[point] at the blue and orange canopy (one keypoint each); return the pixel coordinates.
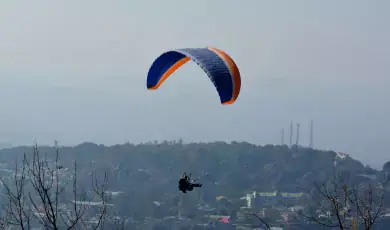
(218, 66)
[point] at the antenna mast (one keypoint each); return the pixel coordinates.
(282, 137)
(297, 141)
(311, 134)
(291, 133)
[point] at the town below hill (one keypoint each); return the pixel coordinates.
(245, 186)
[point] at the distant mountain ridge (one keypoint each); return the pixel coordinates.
(4, 145)
(230, 164)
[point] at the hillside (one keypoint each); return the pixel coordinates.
(148, 173)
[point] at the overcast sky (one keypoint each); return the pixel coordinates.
(76, 71)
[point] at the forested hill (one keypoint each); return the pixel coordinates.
(234, 168)
(144, 177)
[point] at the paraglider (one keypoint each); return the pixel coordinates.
(185, 183)
(218, 66)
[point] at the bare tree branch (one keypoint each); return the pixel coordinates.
(35, 195)
(338, 200)
(15, 213)
(368, 204)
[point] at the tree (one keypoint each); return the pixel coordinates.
(344, 206)
(35, 196)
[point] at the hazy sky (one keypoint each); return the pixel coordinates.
(75, 71)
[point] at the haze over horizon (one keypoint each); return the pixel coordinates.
(75, 71)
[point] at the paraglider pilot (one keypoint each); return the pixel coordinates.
(185, 183)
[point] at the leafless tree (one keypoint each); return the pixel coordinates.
(368, 205)
(34, 193)
(344, 207)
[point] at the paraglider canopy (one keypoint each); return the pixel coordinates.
(218, 66)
